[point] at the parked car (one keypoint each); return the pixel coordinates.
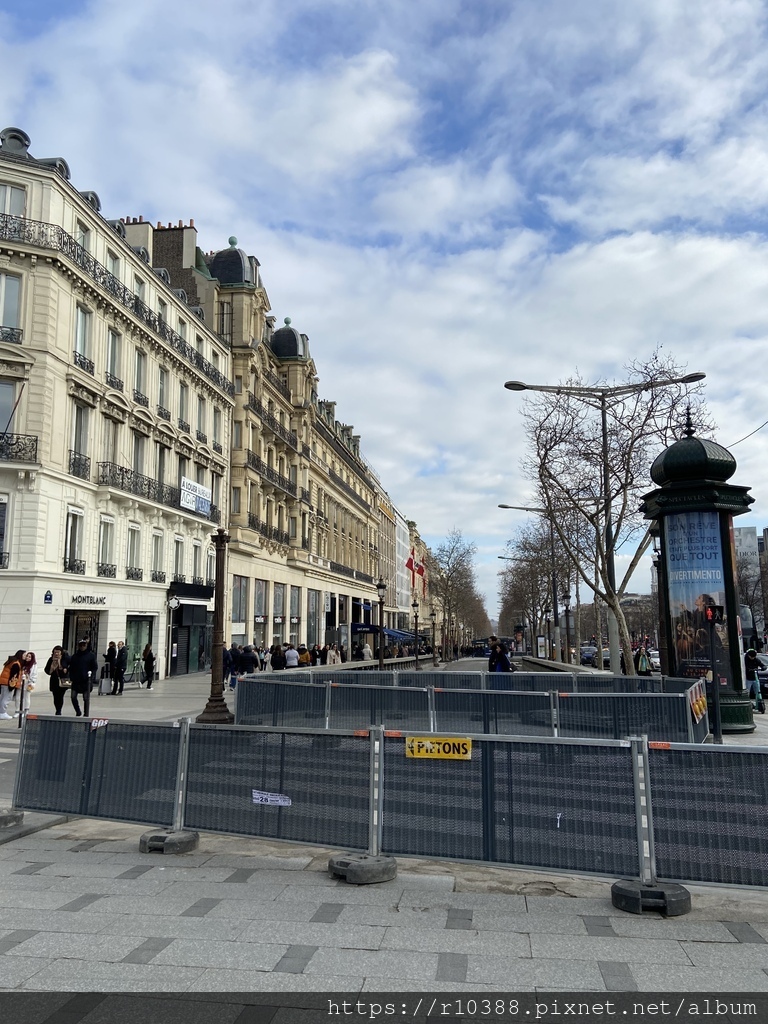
(655, 660)
(587, 654)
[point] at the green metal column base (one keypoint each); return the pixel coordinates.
(736, 711)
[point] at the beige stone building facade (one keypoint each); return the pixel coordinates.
(115, 401)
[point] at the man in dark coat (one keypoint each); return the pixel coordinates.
(83, 670)
(121, 664)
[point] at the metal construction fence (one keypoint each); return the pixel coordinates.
(628, 808)
(263, 700)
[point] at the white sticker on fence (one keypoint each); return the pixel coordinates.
(99, 723)
(273, 799)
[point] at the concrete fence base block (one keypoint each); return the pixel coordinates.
(160, 841)
(9, 817)
(667, 898)
(362, 868)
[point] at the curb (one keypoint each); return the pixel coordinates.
(38, 824)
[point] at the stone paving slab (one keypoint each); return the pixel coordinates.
(144, 926)
(384, 964)
(259, 862)
(251, 981)
(76, 946)
(238, 956)
(251, 890)
(97, 976)
(498, 921)
(587, 947)
(47, 899)
(661, 978)
(652, 926)
(562, 905)
(468, 900)
(506, 974)
(736, 954)
(388, 893)
(250, 910)
(17, 971)
(392, 917)
(471, 942)
(53, 920)
(310, 933)
(150, 905)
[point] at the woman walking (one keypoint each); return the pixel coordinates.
(10, 677)
(28, 680)
(148, 659)
(57, 667)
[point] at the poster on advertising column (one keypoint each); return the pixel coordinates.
(696, 580)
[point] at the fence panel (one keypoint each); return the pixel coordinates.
(587, 683)
(124, 771)
(359, 706)
(710, 813)
(493, 711)
(445, 680)
(568, 806)
(325, 776)
(371, 678)
(616, 715)
(262, 700)
(538, 682)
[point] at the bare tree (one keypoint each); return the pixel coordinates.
(749, 583)
(452, 577)
(566, 459)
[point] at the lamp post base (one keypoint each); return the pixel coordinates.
(215, 712)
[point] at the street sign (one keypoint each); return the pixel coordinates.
(453, 748)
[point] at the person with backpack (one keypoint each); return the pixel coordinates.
(10, 678)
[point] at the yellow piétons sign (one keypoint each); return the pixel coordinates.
(455, 748)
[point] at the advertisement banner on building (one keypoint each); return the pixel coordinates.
(696, 581)
(195, 496)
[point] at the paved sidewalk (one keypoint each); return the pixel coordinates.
(81, 910)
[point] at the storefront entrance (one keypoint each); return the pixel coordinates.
(79, 626)
(139, 630)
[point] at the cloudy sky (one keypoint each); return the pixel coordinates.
(443, 195)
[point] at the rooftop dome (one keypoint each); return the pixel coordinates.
(693, 458)
(231, 266)
(287, 343)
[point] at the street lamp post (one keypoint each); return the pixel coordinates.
(567, 606)
(381, 590)
(547, 611)
(415, 607)
(598, 397)
(216, 711)
(433, 619)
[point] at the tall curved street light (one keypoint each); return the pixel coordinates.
(598, 398)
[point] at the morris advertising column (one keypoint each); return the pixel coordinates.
(694, 509)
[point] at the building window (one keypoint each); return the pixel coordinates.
(140, 374)
(7, 402)
(162, 387)
(113, 353)
(10, 287)
(238, 385)
(216, 488)
(201, 416)
(12, 200)
(210, 571)
(139, 445)
(134, 546)
(82, 235)
(295, 601)
(292, 527)
(225, 320)
(139, 288)
(278, 602)
(235, 501)
(106, 540)
(183, 463)
(239, 598)
(109, 440)
(162, 311)
(82, 330)
(237, 434)
(260, 591)
(161, 462)
(80, 430)
(178, 556)
(73, 535)
(215, 359)
(216, 424)
(183, 401)
(200, 474)
(197, 560)
(199, 343)
(157, 551)
(182, 332)
(113, 264)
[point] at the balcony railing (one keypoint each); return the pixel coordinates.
(163, 413)
(305, 543)
(4, 559)
(132, 573)
(18, 448)
(12, 334)
(267, 531)
(158, 576)
(197, 581)
(277, 384)
(113, 381)
(107, 570)
(183, 425)
(216, 447)
(124, 479)
(140, 398)
(305, 495)
(79, 465)
(210, 582)
(83, 362)
(271, 474)
(179, 577)
(201, 437)
(76, 565)
(274, 424)
(348, 490)
(42, 235)
(354, 574)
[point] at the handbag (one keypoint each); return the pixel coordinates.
(64, 681)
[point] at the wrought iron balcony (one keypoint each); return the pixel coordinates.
(270, 474)
(18, 448)
(140, 398)
(107, 570)
(348, 490)
(216, 447)
(124, 479)
(132, 573)
(277, 384)
(267, 531)
(201, 437)
(342, 570)
(79, 465)
(83, 362)
(210, 582)
(113, 381)
(179, 577)
(198, 581)
(12, 334)
(76, 565)
(158, 576)
(270, 421)
(163, 413)
(42, 235)
(4, 559)
(183, 425)
(306, 451)
(305, 543)
(305, 495)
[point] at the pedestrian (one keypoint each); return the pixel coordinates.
(333, 657)
(234, 664)
(291, 657)
(324, 654)
(751, 666)
(499, 659)
(314, 655)
(110, 657)
(367, 652)
(342, 653)
(277, 661)
(267, 661)
(249, 662)
(148, 659)
(10, 677)
(121, 664)
(305, 659)
(57, 667)
(28, 680)
(83, 669)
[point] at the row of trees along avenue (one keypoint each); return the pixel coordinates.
(565, 460)
(451, 572)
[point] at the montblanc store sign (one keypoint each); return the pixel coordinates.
(87, 599)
